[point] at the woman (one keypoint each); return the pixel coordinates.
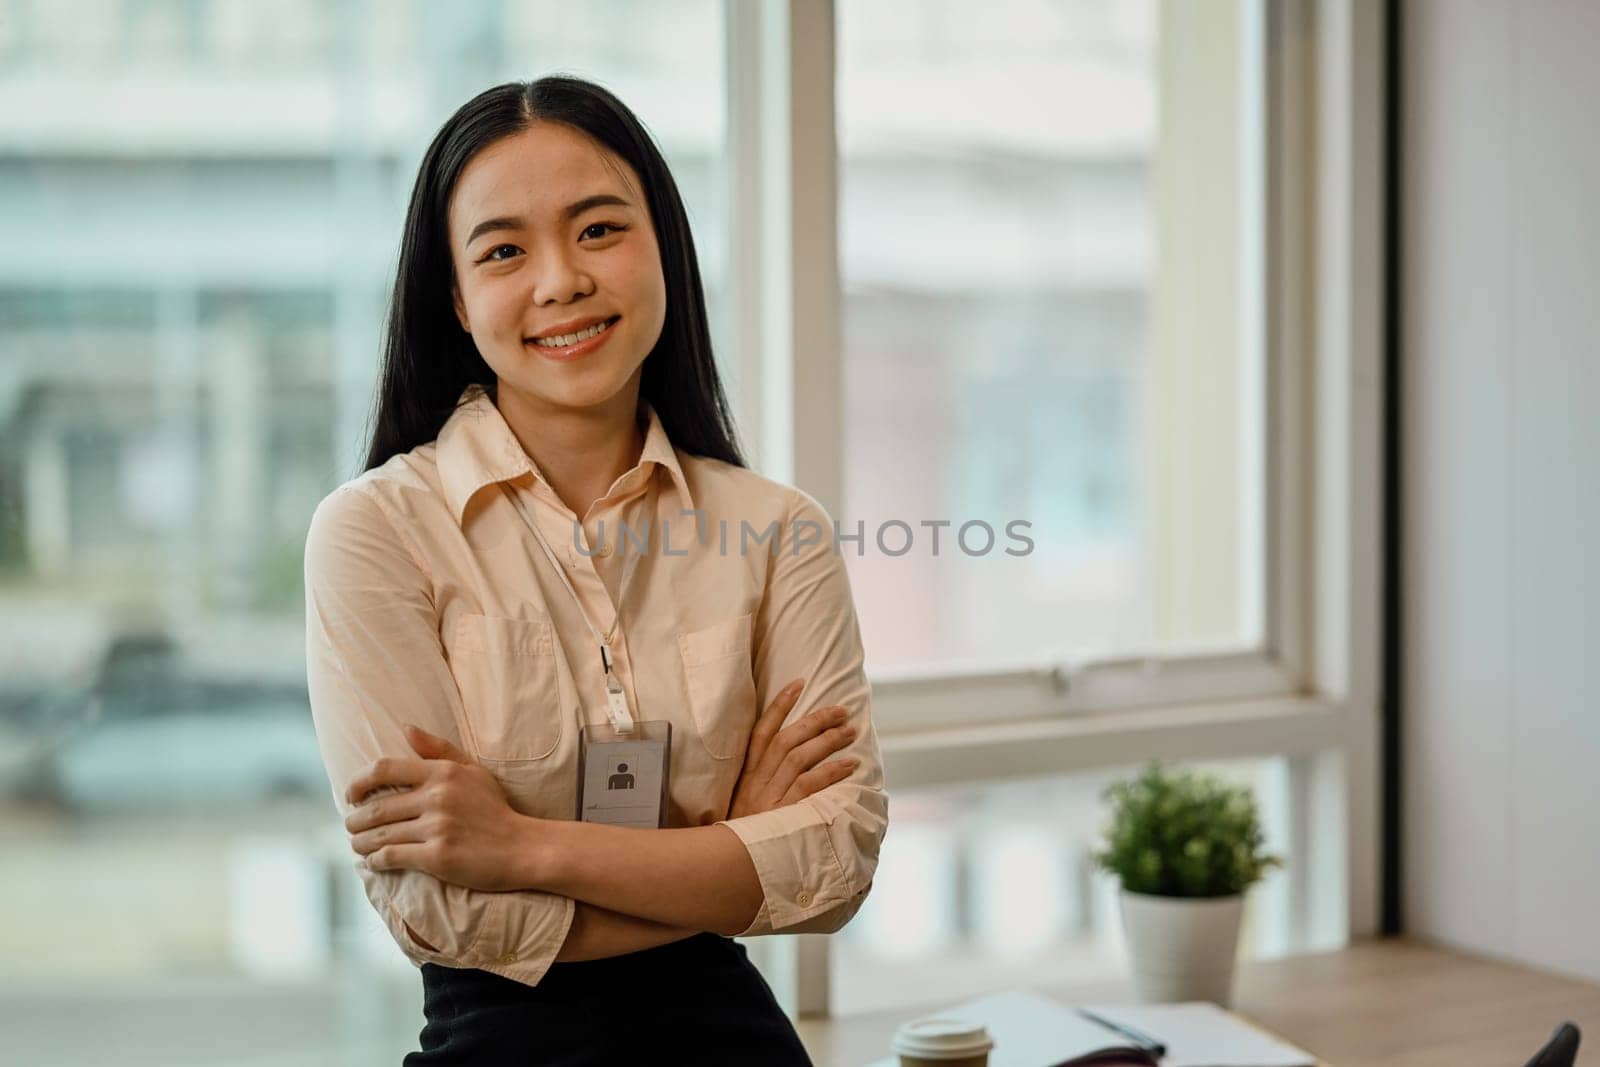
(556, 537)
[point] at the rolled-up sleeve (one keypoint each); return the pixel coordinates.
(816, 858)
(374, 662)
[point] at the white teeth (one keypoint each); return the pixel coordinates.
(563, 340)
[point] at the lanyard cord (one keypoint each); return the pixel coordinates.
(603, 640)
(616, 699)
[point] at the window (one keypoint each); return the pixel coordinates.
(1042, 224)
(1104, 266)
(1109, 267)
(201, 202)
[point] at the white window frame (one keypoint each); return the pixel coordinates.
(1311, 694)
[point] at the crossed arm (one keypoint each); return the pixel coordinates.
(452, 821)
(721, 891)
(599, 933)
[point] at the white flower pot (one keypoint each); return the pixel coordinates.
(1182, 948)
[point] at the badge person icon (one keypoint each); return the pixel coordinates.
(622, 779)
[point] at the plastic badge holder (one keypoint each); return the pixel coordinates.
(623, 777)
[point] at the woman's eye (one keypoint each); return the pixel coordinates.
(594, 231)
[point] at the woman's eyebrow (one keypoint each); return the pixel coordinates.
(568, 213)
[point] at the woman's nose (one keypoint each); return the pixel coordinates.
(557, 279)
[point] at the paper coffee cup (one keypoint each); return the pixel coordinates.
(942, 1041)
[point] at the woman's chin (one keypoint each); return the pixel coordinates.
(569, 389)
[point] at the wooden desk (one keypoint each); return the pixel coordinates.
(1375, 1004)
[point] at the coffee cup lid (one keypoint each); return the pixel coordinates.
(942, 1036)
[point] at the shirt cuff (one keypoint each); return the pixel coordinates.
(517, 936)
(530, 934)
(801, 876)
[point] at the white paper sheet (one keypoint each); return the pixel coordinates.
(1032, 1030)
(1203, 1035)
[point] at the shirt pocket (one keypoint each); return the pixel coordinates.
(510, 686)
(721, 685)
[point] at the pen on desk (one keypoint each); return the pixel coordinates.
(1138, 1037)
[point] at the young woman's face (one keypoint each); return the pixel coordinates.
(550, 237)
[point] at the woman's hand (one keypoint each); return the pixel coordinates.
(783, 766)
(451, 818)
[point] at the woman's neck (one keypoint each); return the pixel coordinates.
(581, 452)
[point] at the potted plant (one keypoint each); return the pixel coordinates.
(1185, 847)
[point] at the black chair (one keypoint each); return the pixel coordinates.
(1560, 1051)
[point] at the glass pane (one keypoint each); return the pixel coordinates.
(201, 203)
(1044, 223)
(990, 886)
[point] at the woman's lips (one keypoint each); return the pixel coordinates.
(578, 351)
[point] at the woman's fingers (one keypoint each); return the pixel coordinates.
(407, 805)
(819, 778)
(411, 857)
(767, 725)
(411, 831)
(810, 753)
(808, 726)
(432, 746)
(387, 771)
(781, 762)
(803, 757)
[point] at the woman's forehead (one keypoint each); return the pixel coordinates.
(537, 173)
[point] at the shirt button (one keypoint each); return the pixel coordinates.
(507, 958)
(603, 551)
(802, 898)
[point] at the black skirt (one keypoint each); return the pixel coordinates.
(699, 1000)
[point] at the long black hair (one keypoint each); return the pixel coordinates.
(428, 360)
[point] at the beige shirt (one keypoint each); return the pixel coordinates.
(428, 601)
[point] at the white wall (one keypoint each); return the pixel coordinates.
(1501, 389)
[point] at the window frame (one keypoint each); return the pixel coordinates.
(1310, 693)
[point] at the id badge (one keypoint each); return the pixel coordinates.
(622, 778)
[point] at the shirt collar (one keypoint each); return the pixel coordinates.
(658, 449)
(476, 449)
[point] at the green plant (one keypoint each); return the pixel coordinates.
(1183, 834)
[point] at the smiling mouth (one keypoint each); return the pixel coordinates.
(567, 340)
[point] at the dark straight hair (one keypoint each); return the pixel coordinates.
(428, 360)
